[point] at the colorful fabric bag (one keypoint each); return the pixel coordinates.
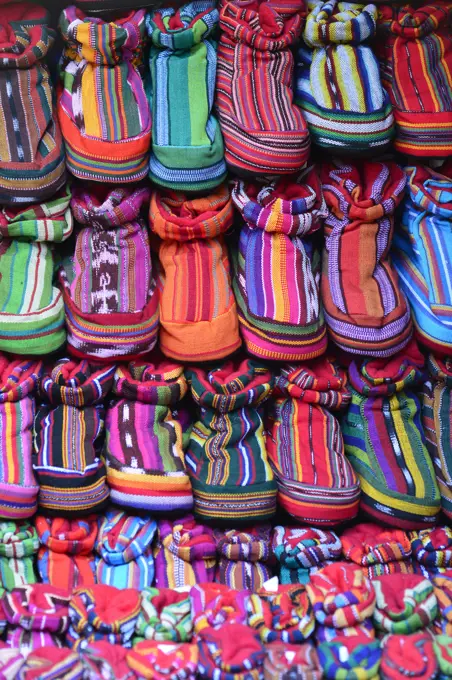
(102, 613)
(443, 650)
(165, 616)
(244, 557)
(32, 309)
(102, 660)
(415, 53)
(316, 483)
(264, 132)
(282, 616)
(365, 310)
(68, 437)
(432, 550)
(214, 604)
(164, 660)
(385, 443)
(103, 110)
(350, 659)
(187, 144)
(338, 82)
(66, 555)
(442, 588)
(124, 546)
(421, 252)
(198, 314)
(11, 661)
(232, 651)
(52, 664)
(226, 457)
(18, 487)
(143, 447)
(32, 165)
(377, 550)
(108, 285)
(185, 553)
(301, 552)
(408, 656)
(277, 267)
(437, 423)
(19, 544)
(284, 661)
(405, 603)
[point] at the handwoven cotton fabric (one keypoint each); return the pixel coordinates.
(232, 651)
(338, 82)
(68, 438)
(103, 109)
(282, 616)
(187, 144)
(350, 659)
(442, 645)
(214, 604)
(432, 550)
(18, 389)
(244, 557)
(109, 289)
(164, 660)
(31, 308)
(185, 553)
(124, 546)
(437, 424)
(11, 661)
(66, 555)
(32, 164)
(365, 310)
(415, 52)
(408, 655)
(264, 132)
(284, 661)
(301, 552)
(198, 313)
(19, 544)
(405, 603)
(316, 483)
(165, 616)
(442, 588)
(277, 267)
(421, 251)
(385, 443)
(227, 459)
(377, 550)
(49, 663)
(102, 613)
(143, 447)
(103, 660)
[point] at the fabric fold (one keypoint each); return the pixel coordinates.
(165, 616)
(245, 557)
(302, 552)
(282, 616)
(19, 544)
(377, 550)
(405, 603)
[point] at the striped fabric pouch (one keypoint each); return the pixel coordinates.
(385, 442)
(422, 253)
(432, 551)
(277, 268)
(405, 603)
(125, 552)
(437, 422)
(365, 310)
(152, 660)
(198, 314)
(103, 110)
(187, 144)
(215, 604)
(415, 53)
(68, 437)
(227, 459)
(143, 447)
(316, 483)
(165, 616)
(338, 81)
(19, 544)
(18, 387)
(109, 290)
(31, 306)
(378, 550)
(264, 132)
(301, 552)
(32, 166)
(245, 558)
(66, 555)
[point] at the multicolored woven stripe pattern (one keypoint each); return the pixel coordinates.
(187, 144)
(338, 83)
(162, 660)
(244, 557)
(19, 544)
(432, 550)
(421, 252)
(68, 438)
(263, 131)
(226, 457)
(365, 310)
(103, 110)
(301, 552)
(277, 268)
(143, 447)
(198, 314)
(347, 658)
(377, 550)
(416, 68)
(285, 616)
(405, 603)
(233, 651)
(316, 483)
(285, 660)
(165, 616)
